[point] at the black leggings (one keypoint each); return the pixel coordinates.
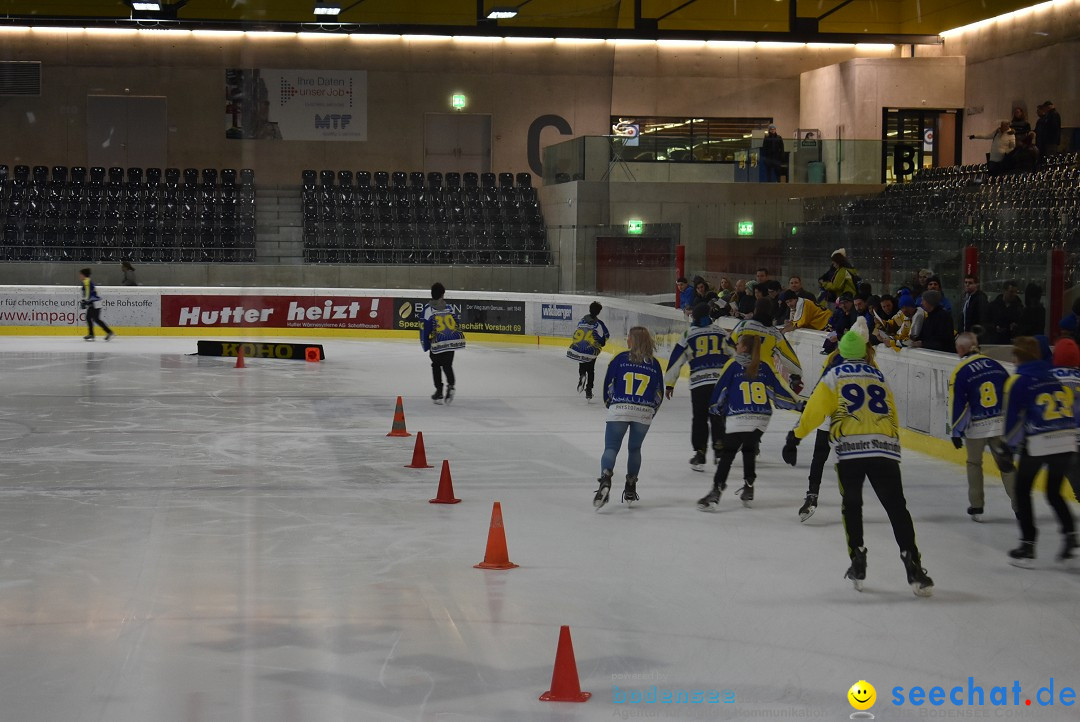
(1056, 465)
(730, 445)
(884, 475)
(93, 315)
(588, 370)
(703, 425)
(442, 363)
(817, 464)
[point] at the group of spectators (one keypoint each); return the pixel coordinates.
(1016, 148)
(917, 315)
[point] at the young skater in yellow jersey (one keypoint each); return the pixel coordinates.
(775, 349)
(865, 433)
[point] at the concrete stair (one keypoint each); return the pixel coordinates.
(278, 226)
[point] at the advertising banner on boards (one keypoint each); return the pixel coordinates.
(481, 316)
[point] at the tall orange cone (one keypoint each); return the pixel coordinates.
(398, 428)
(565, 686)
(419, 456)
(496, 556)
(446, 489)
(240, 356)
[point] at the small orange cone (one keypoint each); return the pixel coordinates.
(419, 456)
(446, 488)
(565, 686)
(240, 356)
(311, 353)
(496, 556)
(399, 421)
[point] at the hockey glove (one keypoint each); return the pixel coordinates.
(958, 442)
(790, 452)
(795, 382)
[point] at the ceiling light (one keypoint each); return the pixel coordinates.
(323, 8)
(146, 6)
(501, 13)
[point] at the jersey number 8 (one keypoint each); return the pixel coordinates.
(988, 395)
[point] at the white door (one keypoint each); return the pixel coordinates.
(126, 131)
(457, 142)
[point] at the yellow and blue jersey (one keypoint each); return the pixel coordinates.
(746, 403)
(976, 398)
(89, 291)
(773, 343)
(1039, 411)
(441, 331)
(1068, 376)
(854, 395)
(589, 338)
(633, 390)
(703, 348)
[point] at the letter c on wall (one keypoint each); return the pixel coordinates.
(556, 121)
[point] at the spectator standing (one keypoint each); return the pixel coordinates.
(937, 332)
(918, 285)
(976, 419)
(1026, 156)
(842, 277)
(1002, 143)
(761, 275)
(796, 287)
(1048, 129)
(1019, 122)
(686, 295)
(128, 272)
(973, 307)
(1042, 430)
(772, 155)
(1033, 317)
(843, 319)
(1004, 315)
(934, 284)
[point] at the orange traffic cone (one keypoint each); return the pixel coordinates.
(446, 489)
(311, 353)
(565, 686)
(419, 456)
(496, 556)
(399, 421)
(240, 356)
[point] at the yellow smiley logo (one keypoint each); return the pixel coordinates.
(862, 695)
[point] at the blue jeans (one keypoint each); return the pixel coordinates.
(613, 438)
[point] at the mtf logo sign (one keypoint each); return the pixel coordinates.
(335, 121)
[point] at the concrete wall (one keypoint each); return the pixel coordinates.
(1025, 59)
(522, 279)
(515, 81)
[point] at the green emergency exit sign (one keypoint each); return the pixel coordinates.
(746, 228)
(634, 227)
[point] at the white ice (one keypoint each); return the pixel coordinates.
(183, 540)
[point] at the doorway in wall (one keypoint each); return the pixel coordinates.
(125, 131)
(457, 142)
(917, 138)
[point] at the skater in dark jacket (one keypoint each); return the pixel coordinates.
(589, 339)
(91, 303)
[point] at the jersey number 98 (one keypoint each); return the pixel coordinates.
(856, 396)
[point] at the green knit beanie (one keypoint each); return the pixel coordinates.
(852, 346)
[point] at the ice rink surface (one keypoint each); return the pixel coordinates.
(183, 540)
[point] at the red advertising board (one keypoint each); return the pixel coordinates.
(357, 312)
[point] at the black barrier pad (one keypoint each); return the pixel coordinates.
(260, 349)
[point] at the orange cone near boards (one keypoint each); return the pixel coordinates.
(240, 356)
(446, 491)
(565, 686)
(496, 557)
(398, 428)
(419, 456)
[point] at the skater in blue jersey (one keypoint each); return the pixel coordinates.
(633, 391)
(440, 336)
(589, 339)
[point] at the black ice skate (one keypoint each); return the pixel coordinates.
(604, 491)
(437, 397)
(857, 571)
(1023, 556)
(697, 461)
(109, 336)
(710, 501)
(1068, 551)
(629, 494)
(921, 584)
(975, 512)
(746, 493)
(88, 338)
(588, 396)
(449, 394)
(808, 508)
